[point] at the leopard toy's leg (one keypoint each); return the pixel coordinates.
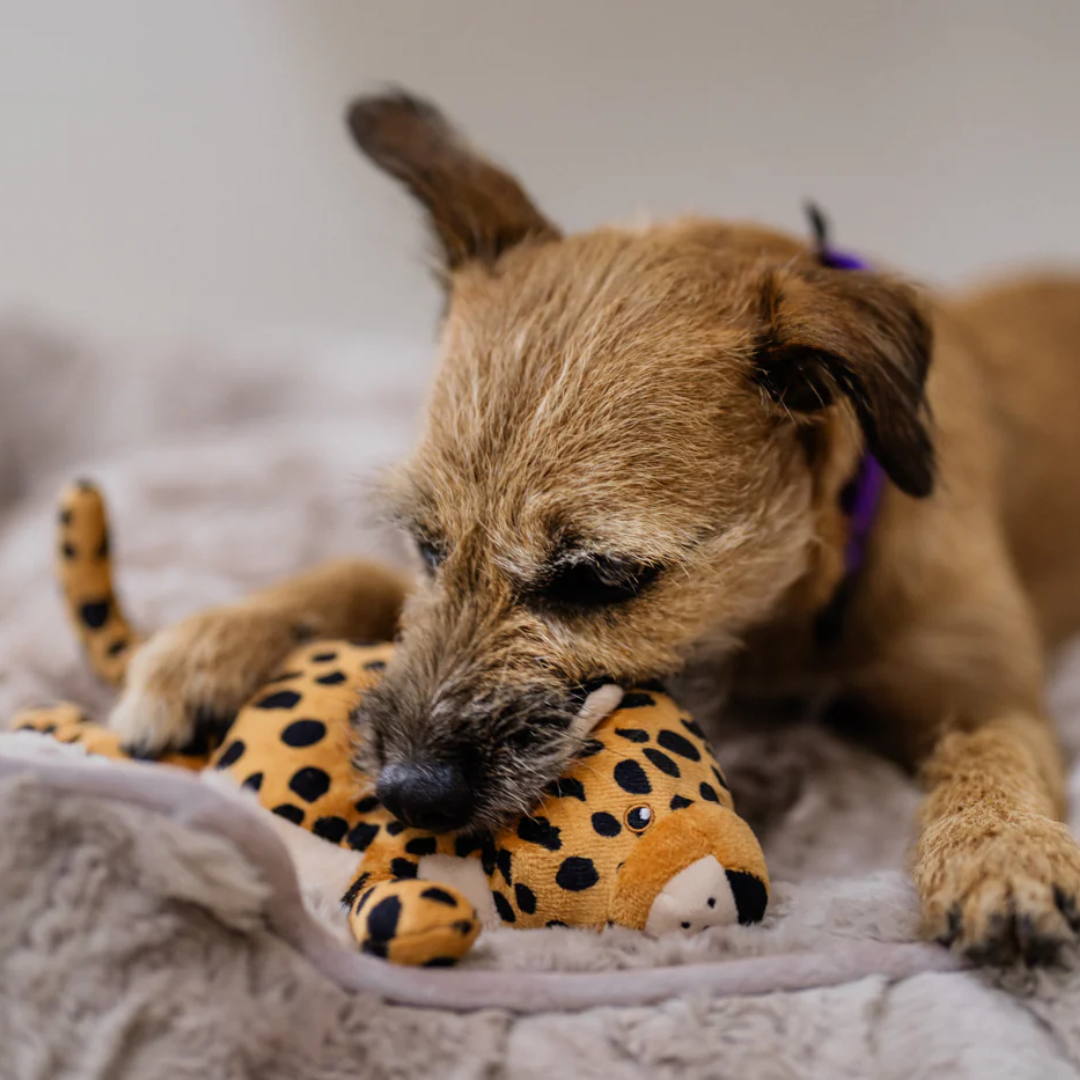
(84, 570)
(67, 723)
(412, 922)
(64, 721)
(401, 906)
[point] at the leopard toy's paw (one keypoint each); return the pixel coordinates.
(66, 723)
(413, 922)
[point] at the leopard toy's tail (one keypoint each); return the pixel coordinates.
(84, 570)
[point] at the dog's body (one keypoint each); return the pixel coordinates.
(633, 462)
(1002, 388)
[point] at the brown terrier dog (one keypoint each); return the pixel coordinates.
(634, 461)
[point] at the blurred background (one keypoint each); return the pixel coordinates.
(188, 240)
(180, 167)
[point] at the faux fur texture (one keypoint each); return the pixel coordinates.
(133, 945)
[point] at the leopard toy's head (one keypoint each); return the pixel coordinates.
(640, 832)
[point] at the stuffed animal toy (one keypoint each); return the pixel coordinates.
(640, 830)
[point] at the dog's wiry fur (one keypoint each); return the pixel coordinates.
(664, 419)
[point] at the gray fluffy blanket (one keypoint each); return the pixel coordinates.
(154, 928)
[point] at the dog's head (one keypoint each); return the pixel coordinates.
(634, 444)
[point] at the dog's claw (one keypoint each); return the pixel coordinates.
(952, 929)
(1066, 904)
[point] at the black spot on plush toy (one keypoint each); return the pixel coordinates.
(639, 832)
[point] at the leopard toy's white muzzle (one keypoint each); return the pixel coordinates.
(694, 899)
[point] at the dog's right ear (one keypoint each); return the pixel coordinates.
(861, 336)
(477, 211)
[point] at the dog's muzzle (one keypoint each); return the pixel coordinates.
(440, 795)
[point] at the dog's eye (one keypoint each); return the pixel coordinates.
(596, 582)
(431, 552)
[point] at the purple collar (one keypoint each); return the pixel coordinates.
(861, 496)
(837, 260)
(859, 501)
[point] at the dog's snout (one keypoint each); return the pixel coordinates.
(426, 795)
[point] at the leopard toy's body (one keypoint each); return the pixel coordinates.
(640, 831)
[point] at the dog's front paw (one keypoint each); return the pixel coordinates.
(185, 685)
(1000, 888)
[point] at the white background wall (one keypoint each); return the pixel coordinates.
(170, 167)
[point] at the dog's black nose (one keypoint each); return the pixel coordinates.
(426, 795)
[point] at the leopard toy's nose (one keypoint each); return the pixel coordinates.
(426, 795)
(706, 894)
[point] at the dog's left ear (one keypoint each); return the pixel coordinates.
(477, 210)
(860, 335)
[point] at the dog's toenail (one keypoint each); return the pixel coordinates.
(1066, 904)
(954, 920)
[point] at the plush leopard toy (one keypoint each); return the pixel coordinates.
(640, 831)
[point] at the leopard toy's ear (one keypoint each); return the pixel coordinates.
(599, 699)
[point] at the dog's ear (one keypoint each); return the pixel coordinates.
(857, 334)
(477, 211)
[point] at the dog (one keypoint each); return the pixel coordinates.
(635, 463)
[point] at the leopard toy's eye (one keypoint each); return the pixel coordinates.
(638, 818)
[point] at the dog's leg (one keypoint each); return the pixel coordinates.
(997, 871)
(199, 672)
